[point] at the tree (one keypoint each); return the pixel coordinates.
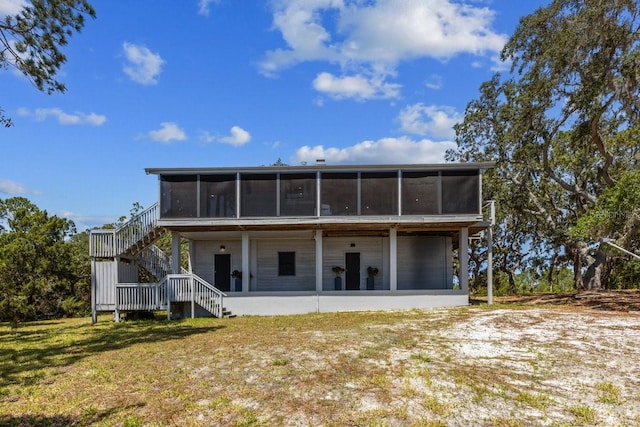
(617, 216)
(37, 270)
(31, 41)
(559, 129)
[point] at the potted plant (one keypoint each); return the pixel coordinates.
(237, 276)
(337, 283)
(372, 272)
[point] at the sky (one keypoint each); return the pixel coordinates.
(224, 83)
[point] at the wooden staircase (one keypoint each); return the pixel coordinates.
(133, 241)
(129, 239)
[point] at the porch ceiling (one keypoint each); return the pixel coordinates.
(199, 228)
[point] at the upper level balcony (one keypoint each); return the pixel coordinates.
(190, 196)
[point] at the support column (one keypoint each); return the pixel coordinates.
(490, 265)
(319, 260)
(463, 259)
(490, 252)
(246, 273)
(175, 252)
(393, 259)
(94, 311)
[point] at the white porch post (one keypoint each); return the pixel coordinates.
(393, 259)
(490, 253)
(490, 265)
(463, 259)
(318, 237)
(175, 252)
(246, 274)
(94, 311)
(193, 289)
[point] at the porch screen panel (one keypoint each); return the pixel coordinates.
(379, 193)
(297, 194)
(218, 196)
(420, 193)
(258, 195)
(460, 192)
(179, 196)
(339, 194)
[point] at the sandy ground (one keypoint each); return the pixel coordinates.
(543, 366)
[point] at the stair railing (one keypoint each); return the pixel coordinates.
(209, 297)
(139, 296)
(114, 242)
(191, 287)
(155, 261)
(137, 228)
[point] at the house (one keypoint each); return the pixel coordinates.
(295, 239)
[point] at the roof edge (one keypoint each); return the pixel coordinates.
(322, 167)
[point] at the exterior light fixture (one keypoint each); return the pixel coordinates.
(223, 248)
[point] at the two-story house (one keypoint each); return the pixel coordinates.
(296, 239)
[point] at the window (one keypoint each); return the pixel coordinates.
(339, 194)
(178, 197)
(258, 195)
(286, 263)
(460, 192)
(379, 193)
(297, 194)
(218, 196)
(420, 193)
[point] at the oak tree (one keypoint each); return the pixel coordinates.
(558, 126)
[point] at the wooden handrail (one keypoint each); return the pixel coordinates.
(173, 288)
(113, 242)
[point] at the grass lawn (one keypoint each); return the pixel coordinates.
(498, 366)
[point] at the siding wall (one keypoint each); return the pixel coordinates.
(371, 251)
(105, 276)
(267, 278)
(204, 250)
(425, 263)
(127, 272)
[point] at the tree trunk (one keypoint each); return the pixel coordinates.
(577, 269)
(593, 275)
(552, 270)
(512, 282)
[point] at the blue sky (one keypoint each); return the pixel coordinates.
(208, 83)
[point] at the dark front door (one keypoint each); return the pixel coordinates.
(222, 272)
(352, 262)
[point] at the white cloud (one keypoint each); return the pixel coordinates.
(144, 66)
(11, 7)
(435, 82)
(433, 120)
(12, 188)
(401, 150)
(391, 30)
(206, 137)
(366, 37)
(168, 133)
(237, 138)
(77, 118)
(357, 87)
(204, 6)
(302, 30)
